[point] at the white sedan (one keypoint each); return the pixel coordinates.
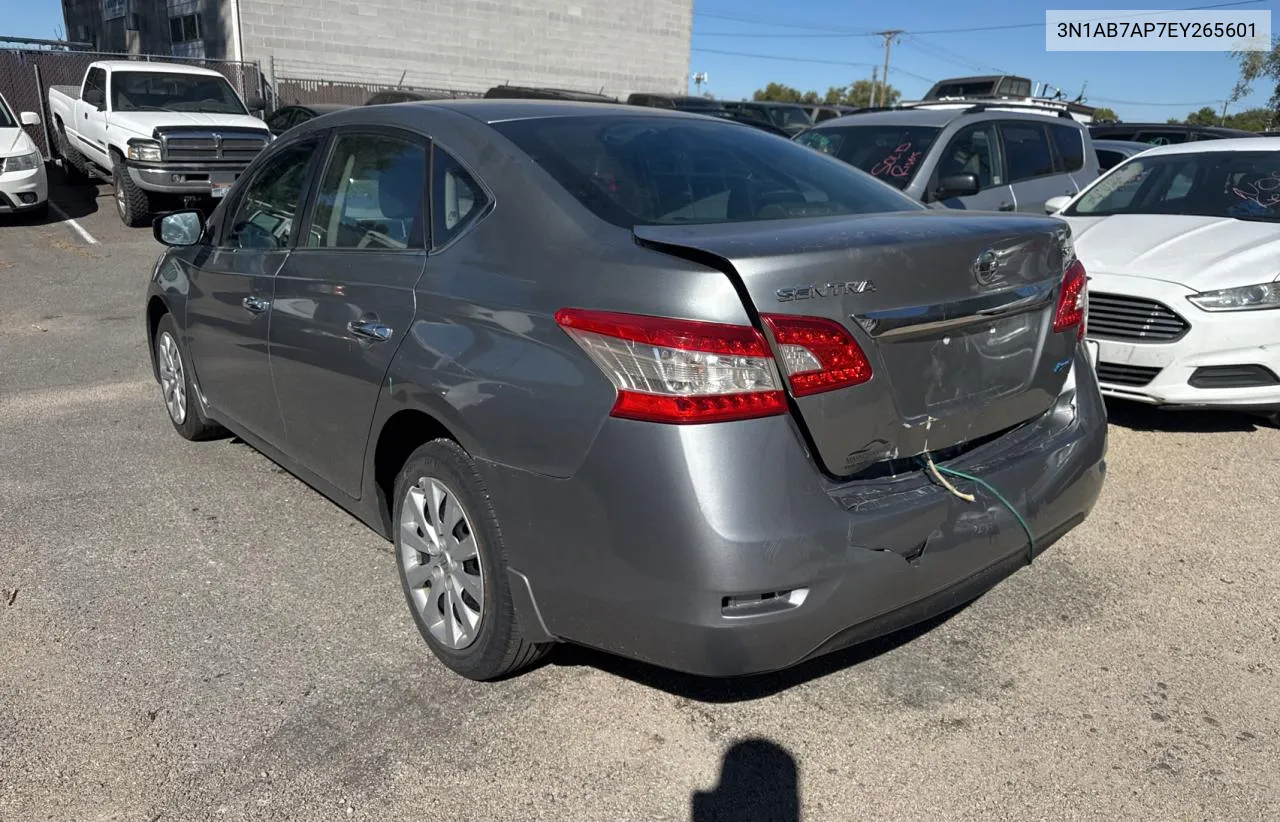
(1182, 247)
(24, 187)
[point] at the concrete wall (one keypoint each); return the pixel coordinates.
(474, 44)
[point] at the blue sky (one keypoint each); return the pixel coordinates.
(1138, 85)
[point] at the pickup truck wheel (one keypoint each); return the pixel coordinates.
(73, 165)
(132, 203)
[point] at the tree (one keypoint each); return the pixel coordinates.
(857, 93)
(1253, 119)
(1257, 65)
(779, 93)
(1103, 113)
(1204, 117)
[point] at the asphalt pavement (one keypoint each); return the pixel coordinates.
(187, 632)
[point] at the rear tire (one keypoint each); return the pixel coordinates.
(176, 387)
(133, 204)
(73, 164)
(453, 565)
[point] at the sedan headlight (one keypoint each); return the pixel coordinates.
(145, 151)
(22, 162)
(1244, 298)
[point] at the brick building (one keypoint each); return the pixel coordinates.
(463, 44)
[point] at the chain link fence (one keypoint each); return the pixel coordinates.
(291, 91)
(26, 76)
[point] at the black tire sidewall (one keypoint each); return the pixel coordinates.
(487, 656)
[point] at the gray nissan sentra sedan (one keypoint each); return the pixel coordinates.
(646, 381)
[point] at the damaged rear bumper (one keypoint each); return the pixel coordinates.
(720, 550)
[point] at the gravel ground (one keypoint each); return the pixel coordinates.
(187, 632)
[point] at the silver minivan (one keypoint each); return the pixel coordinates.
(978, 157)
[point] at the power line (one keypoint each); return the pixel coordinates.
(1145, 103)
(929, 80)
(940, 53)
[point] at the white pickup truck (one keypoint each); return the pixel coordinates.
(157, 130)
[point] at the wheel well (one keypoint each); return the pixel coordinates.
(156, 309)
(401, 435)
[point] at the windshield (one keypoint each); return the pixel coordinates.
(888, 153)
(160, 91)
(1244, 185)
(656, 170)
(6, 116)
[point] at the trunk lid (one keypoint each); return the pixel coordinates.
(954, 312)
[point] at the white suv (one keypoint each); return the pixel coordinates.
(24, 187)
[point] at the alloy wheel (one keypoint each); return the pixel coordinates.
(118, 185)
(173, 377)
(441, 563)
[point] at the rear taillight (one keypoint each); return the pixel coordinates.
(679, 371)
(1073, 302)
(817, 354)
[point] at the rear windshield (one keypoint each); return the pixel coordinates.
(658, 171)
(1244, 185)
(888, 153)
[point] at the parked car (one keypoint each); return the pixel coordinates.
(158, 131)
(1112, 153)
(283, 119)
(506, 92)
(790, 117)
(1181, 244)
(407, 95)
(1163, 134)
(638, 379)
(979, 157)
(680, 102)
(24, 187)
(820, 114)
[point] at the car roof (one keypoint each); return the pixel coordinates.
(1122, 145)
(1232, 144)
(501, 110)
(764, 103)
(1166, 127)
(937, 117)
(145, 65)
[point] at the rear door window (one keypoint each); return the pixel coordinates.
(1109, 159)
(457, 199)
(1026, 150)
(658, 171)
(1069, 143)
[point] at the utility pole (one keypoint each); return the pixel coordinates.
(874, 86)
(890, 36)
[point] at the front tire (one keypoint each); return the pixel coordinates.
(133, 204)
(176, 387)
(453, 567)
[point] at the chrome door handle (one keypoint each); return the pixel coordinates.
(1006, 206)
(255, 305)
(370, 330)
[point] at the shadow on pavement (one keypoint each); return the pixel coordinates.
(77, 197)
(746, 688)
(758, 783)
(1139, 417)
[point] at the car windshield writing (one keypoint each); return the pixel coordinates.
(653, 171)
(1243, 185)
(889, 153)
(156, 91)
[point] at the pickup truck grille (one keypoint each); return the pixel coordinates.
(212, 146)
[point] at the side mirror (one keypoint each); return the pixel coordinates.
(957, 185)
(179, 228)
(256, 103)
(1055, 204)
(29, 118)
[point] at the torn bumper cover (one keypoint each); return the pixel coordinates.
(721, 550)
